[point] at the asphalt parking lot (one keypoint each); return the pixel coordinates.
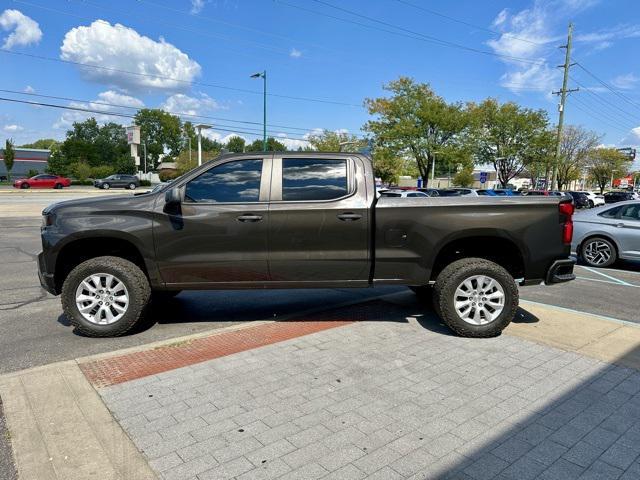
(34, 332)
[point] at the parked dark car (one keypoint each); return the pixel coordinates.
(614, 197)
(580, 200)
(117, 181)
(299, 220)
(43, 180)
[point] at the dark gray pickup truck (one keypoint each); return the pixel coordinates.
(299, 220)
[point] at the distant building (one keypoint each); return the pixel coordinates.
(26, 159)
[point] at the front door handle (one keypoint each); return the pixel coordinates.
(248, 217)
(620, 225)
(349, 217)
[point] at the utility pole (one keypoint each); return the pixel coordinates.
(263, 75)
(563, 98)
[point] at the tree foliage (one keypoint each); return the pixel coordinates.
(606, 163)
(576, 144)
(273, 145)
(386, 166)
(415, 122)
(9, 156)
(161, 131)
(43, 144)
(236, 144)
(507, 136)
(328, 141)
(464, 177)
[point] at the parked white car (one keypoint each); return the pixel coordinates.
(466, 192)
(402, 193)
(595, 199)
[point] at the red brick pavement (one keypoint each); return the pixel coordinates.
(130, 366)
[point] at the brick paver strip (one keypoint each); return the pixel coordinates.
(131, 366)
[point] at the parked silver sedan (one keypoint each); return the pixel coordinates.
(603, 235)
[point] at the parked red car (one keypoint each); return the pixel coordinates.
(42, 181)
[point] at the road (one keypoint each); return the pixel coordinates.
(34, 332)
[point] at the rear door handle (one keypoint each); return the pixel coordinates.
(349, 217)
(248, 217)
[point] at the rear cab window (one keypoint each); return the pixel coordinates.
(309, 179)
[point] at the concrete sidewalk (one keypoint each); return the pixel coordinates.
(374, 391)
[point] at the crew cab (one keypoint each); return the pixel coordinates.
(299, 220)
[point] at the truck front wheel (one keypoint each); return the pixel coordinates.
(475, 297)
(105, 296)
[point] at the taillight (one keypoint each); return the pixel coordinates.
(566, 209)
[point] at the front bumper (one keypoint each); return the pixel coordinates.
(47, 280)
(560, 271)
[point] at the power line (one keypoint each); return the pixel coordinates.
(604, 102)
(178, 80)
(182, 114)
(125, 115)
(587, 112)
(600, 115)
(468, 24)
(403, 32)
(608, 87)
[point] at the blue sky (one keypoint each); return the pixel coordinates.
(182, 48)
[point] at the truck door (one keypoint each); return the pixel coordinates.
(319, 224)
(219, 234)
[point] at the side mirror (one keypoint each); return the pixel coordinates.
(172, 197)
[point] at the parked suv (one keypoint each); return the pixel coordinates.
(117, 181)
(614, 197)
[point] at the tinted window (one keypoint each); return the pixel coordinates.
(310, 179)
(630, 212)
(386, 194)
(417, 194)
(611, 213)
(230, 182)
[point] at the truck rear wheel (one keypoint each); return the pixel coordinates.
(475, 297)
(105, 296)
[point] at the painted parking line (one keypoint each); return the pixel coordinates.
(607, 281)
(613, 279)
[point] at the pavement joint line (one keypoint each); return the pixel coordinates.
(608, 282)
(579, 312)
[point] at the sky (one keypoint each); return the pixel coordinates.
(322, 58)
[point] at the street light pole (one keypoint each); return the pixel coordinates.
(263, 75)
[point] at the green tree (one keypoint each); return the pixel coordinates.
(415, 122)
(575, 146)
(43, 143)
(464, 177)
(506, 136)
(272, 146)
(162, 133)
(386, 165)
(235, 144)
(9, 157)
(328, 141)
(606, 163)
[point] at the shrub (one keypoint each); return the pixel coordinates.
(168, 175)
(81, 182)
(101, 171)
(145, 183)
(81, 171)
(32, 173)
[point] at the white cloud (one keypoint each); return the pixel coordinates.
(26, 31)
(116, 47)
(625, 82)
(101, 112)
(29, 89)
(13, 128)
(295, 53)
(609, 34)
(529, 34)
(196, 6)
(181, 103)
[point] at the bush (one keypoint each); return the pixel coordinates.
(168, 175)
(102, 171)
(32, 173)
(81, 182)
(81, 171)
(145, 183)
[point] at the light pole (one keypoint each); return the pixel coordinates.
(200, 127)
(263, 75)
(184, 130)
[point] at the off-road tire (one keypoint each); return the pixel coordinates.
(129, 273)
(453, 275)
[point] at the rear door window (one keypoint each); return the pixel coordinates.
(611, 213)
(308, 179)
(630, 212)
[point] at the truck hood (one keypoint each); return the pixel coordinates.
(103, 203)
